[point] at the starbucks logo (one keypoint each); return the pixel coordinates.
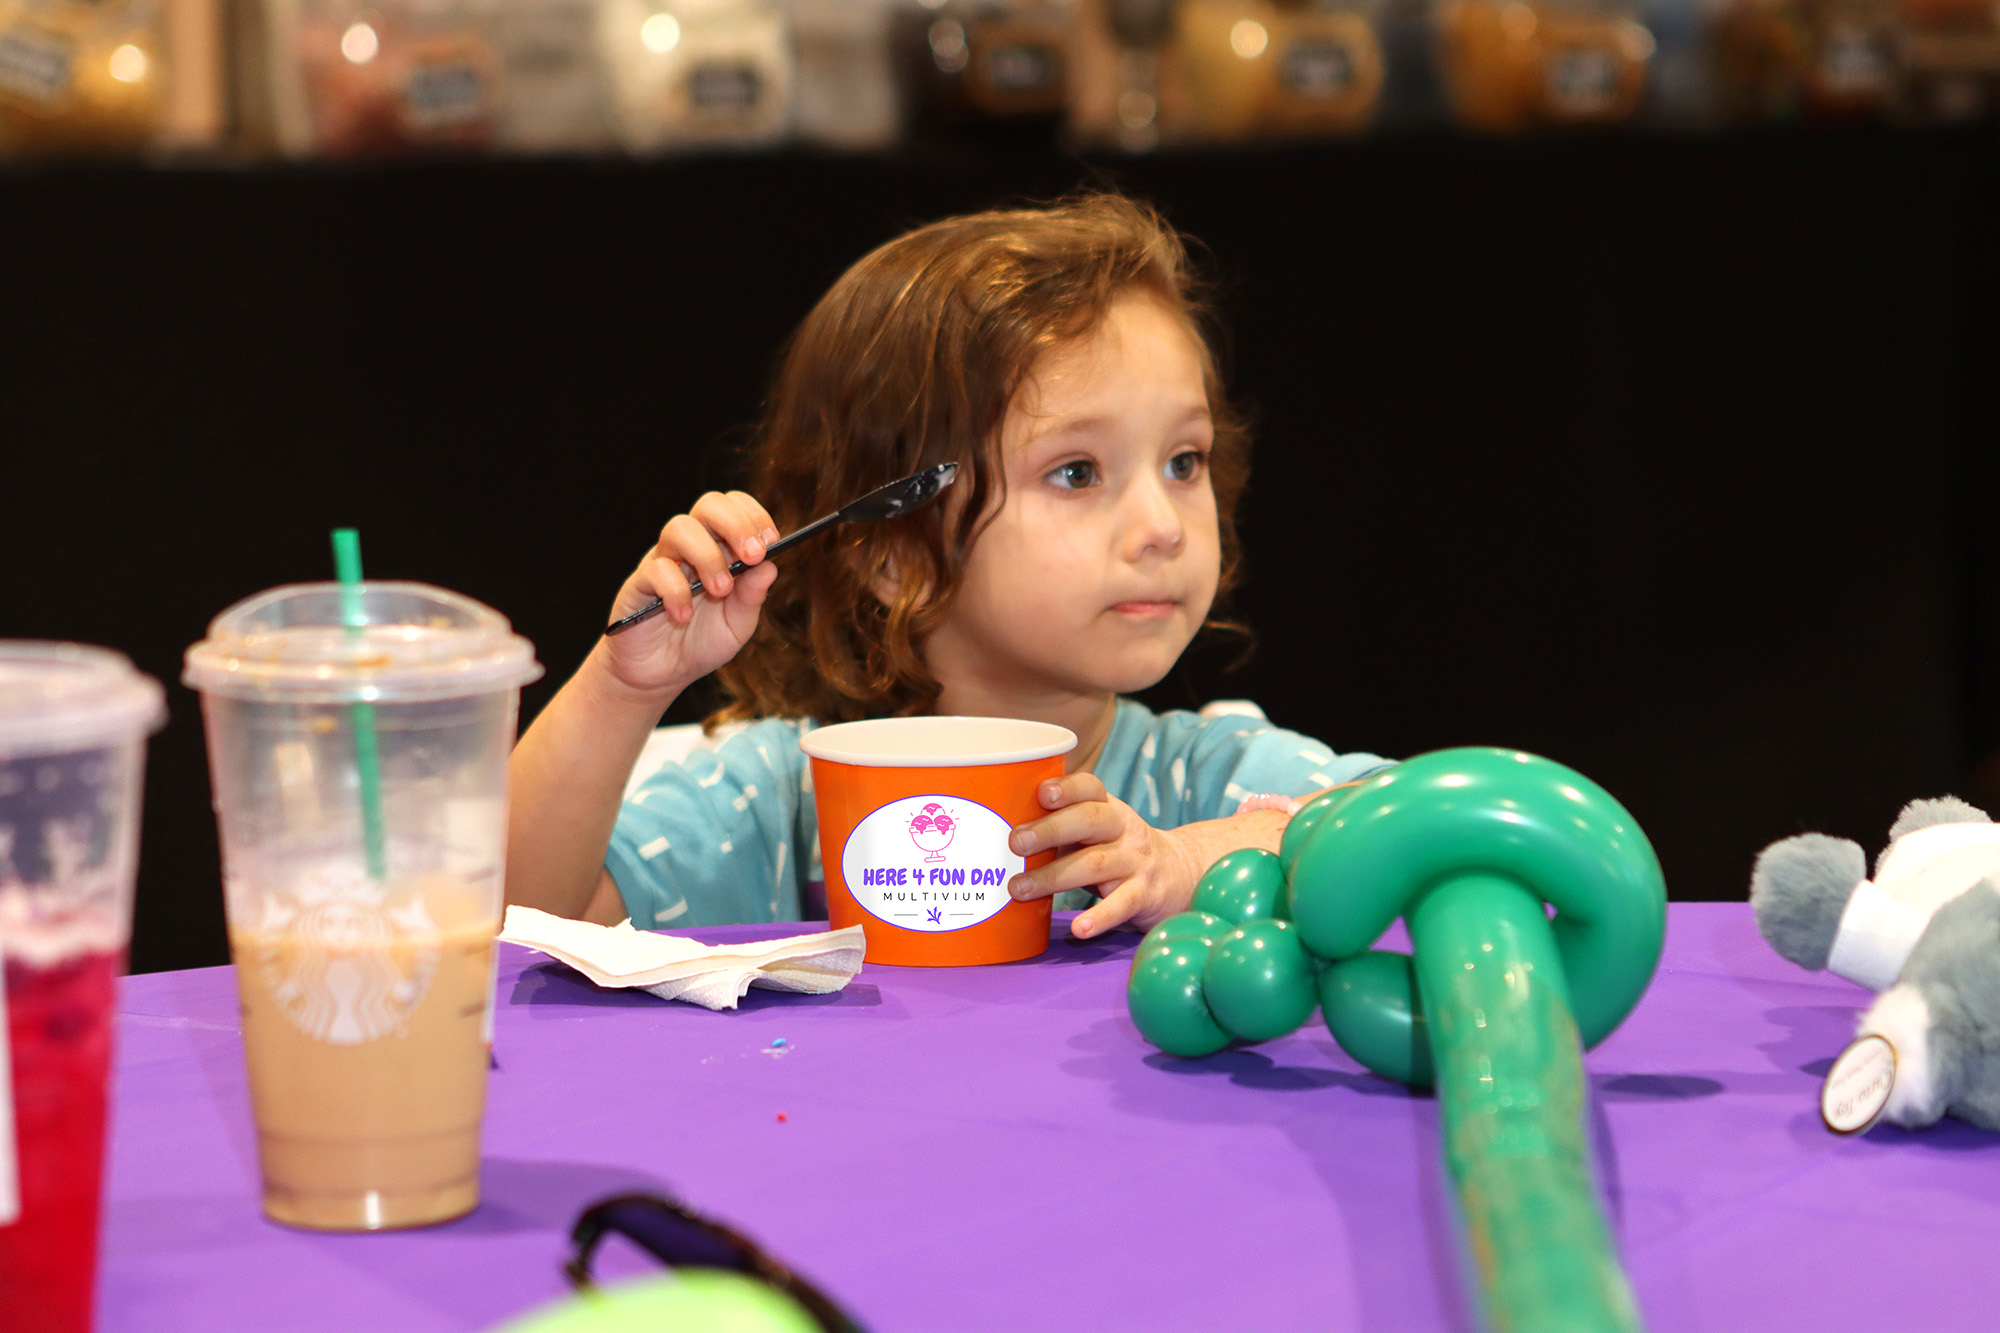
(343, 967)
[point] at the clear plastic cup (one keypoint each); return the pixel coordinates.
(360, 779)
(73, 728)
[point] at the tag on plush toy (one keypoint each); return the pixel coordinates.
(1858, 1085)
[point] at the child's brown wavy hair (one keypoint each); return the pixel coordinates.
(911, 360)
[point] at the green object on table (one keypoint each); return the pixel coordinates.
(1164, 994)
(1370, 1006)
(1258, 981)
(1494, 1007)
(688, 1300)
(1454, 812)
(1307, 821)
(1510, 1101)
(367, 755)
(1467, 845)
(1243, 886)
(1202, 925)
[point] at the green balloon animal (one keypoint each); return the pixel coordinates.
(1467, 846)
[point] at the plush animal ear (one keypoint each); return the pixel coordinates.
(1799, 887)
(1937, 810)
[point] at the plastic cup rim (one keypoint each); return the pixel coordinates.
(497, 658)
(117, 702)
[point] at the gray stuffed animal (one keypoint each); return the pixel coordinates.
(1924, 933)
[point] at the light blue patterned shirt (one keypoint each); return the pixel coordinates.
(731, 833)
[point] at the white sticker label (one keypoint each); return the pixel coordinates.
(10, 1176)
(1858, 1085)
(932, 863)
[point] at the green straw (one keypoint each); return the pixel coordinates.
(367, 756)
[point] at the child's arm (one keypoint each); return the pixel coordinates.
(1145, 874)
(568, 773)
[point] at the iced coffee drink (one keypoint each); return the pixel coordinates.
(360, 779)
(362, 1023)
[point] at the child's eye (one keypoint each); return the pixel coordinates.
(1186, 465)
(1074, 476)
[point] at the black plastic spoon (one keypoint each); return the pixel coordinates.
(891, 501)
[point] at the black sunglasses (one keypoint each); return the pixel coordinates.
(682, 1238)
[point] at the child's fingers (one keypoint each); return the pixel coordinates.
(1141, 902)
(742, 608)
(1084, 813)
(1117, 907)
(688, 540)
(737, 522)
(1069, 789)
(767, 527)
(1084, 868)
(1092, 822)
(665, 580)
(753, 583)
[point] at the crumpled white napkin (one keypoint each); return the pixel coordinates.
(714, 976)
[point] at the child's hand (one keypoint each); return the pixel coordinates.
(697, 632)
(1144, 874)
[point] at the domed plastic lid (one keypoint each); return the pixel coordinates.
(414, 642)
(56, 697)
(937, 742)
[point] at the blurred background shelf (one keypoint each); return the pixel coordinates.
(1671, 457)
(343, 79)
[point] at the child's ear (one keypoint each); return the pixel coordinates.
(883, 570)
(885, 581)
(877, 571)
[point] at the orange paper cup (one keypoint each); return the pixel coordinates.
(914, 814)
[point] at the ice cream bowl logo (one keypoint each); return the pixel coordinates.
(346, 969)
(932, 830)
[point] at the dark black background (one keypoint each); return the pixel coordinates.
(1668, 458)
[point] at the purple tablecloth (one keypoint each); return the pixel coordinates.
(995, 1148)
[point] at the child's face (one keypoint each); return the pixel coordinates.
(1103, 560)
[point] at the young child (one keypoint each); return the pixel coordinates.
(1057, 355)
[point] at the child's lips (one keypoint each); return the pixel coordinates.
(1147, 609)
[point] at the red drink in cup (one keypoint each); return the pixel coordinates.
(73, 723)
(59, 1026)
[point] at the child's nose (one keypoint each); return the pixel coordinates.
(1154, 524)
